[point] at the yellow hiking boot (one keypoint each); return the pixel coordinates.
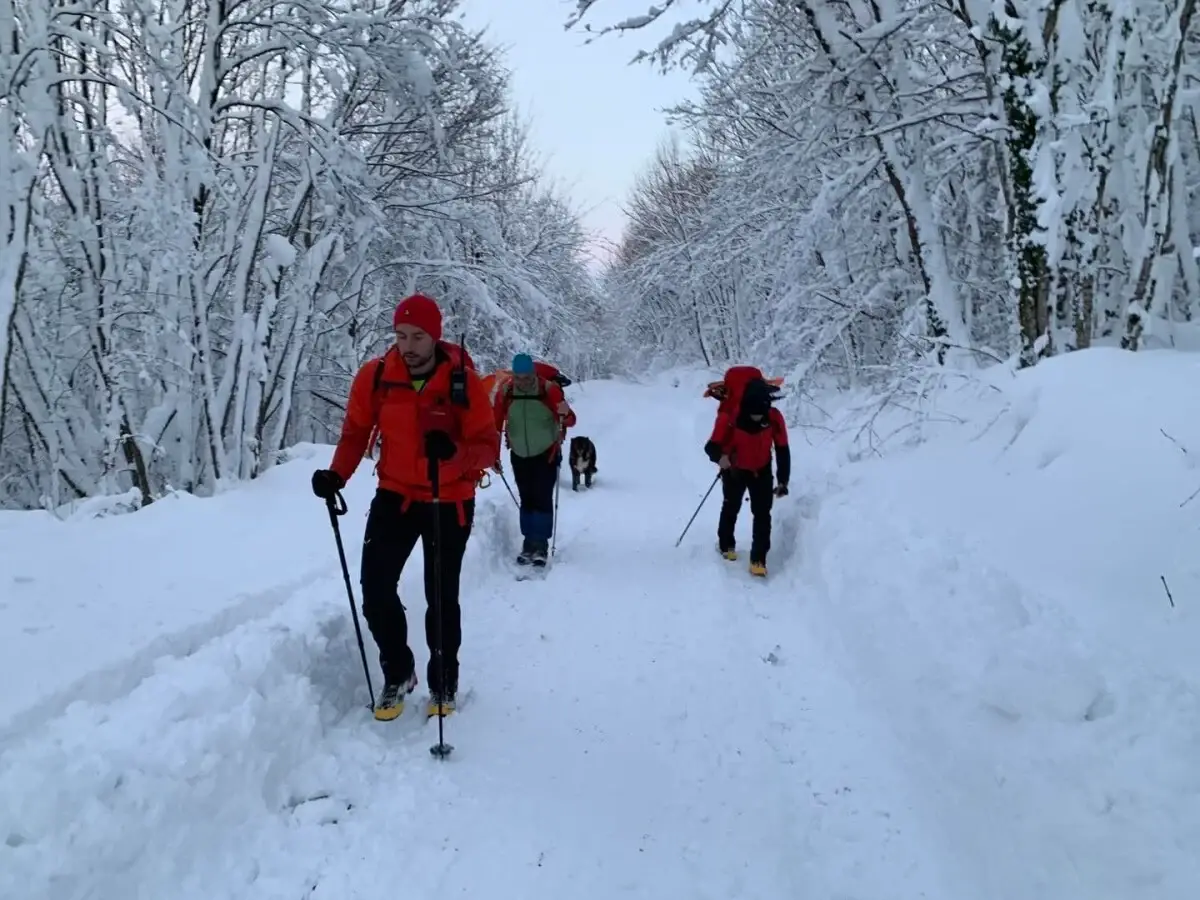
(729, 554)
(391, 701)
(441, 706)
(758, 569)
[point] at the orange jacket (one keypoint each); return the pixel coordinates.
(403, 414)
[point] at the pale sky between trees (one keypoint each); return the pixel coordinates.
(595, 119)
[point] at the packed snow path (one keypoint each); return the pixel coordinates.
(645, 721)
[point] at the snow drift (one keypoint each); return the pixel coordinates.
(1001, 592)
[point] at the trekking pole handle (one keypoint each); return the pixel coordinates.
(337, 504)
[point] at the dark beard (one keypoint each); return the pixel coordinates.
(422, 367)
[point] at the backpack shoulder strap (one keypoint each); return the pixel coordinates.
(376, 382)
(377, 385)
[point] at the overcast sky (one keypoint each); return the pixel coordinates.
(595, 119)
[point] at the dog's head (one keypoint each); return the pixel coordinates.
(582, 453)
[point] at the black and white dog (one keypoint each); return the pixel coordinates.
(583, 461)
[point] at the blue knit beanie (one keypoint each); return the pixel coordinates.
(522, 364)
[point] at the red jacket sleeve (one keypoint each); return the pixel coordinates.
(358, 424)
(719, 442)
(480, 446)
(552, 397)
(722, 432)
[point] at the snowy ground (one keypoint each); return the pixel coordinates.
(963, 679)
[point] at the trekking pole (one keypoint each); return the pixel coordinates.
(441, 749)
(557, 486)
(510, 490)
(338, 508)
(703, 500)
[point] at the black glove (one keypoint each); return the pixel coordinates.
(781, 490)
(713, 451)
(326, 483)
(439, 446)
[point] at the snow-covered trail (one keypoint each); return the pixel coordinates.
(645, 722)
(631, 736)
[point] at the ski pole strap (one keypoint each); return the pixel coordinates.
(337, 504)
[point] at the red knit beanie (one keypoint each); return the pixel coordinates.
(422, 312)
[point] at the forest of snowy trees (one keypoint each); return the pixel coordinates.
(870, 182)
(211, 208)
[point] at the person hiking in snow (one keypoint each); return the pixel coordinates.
(745, 432)
(534, 414)
(428, 404)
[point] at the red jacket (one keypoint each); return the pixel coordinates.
(751, 451)
(404, 414)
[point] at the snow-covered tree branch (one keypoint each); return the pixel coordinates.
(210, 209)
(950, 182)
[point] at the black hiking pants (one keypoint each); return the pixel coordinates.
(392, 533)
(536, 477)
(735, 483)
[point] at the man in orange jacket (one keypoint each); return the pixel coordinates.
(431, 409)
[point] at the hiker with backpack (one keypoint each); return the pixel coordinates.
(748, 427)
(430, 409)
(534, 414)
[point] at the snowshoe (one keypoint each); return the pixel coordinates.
(758, 568)
(539, 556)
(391, 701)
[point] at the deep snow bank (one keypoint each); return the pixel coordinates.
(175, 680)
(1000, 589)
(87, 605)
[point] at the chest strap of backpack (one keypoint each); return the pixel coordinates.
(457, 392)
